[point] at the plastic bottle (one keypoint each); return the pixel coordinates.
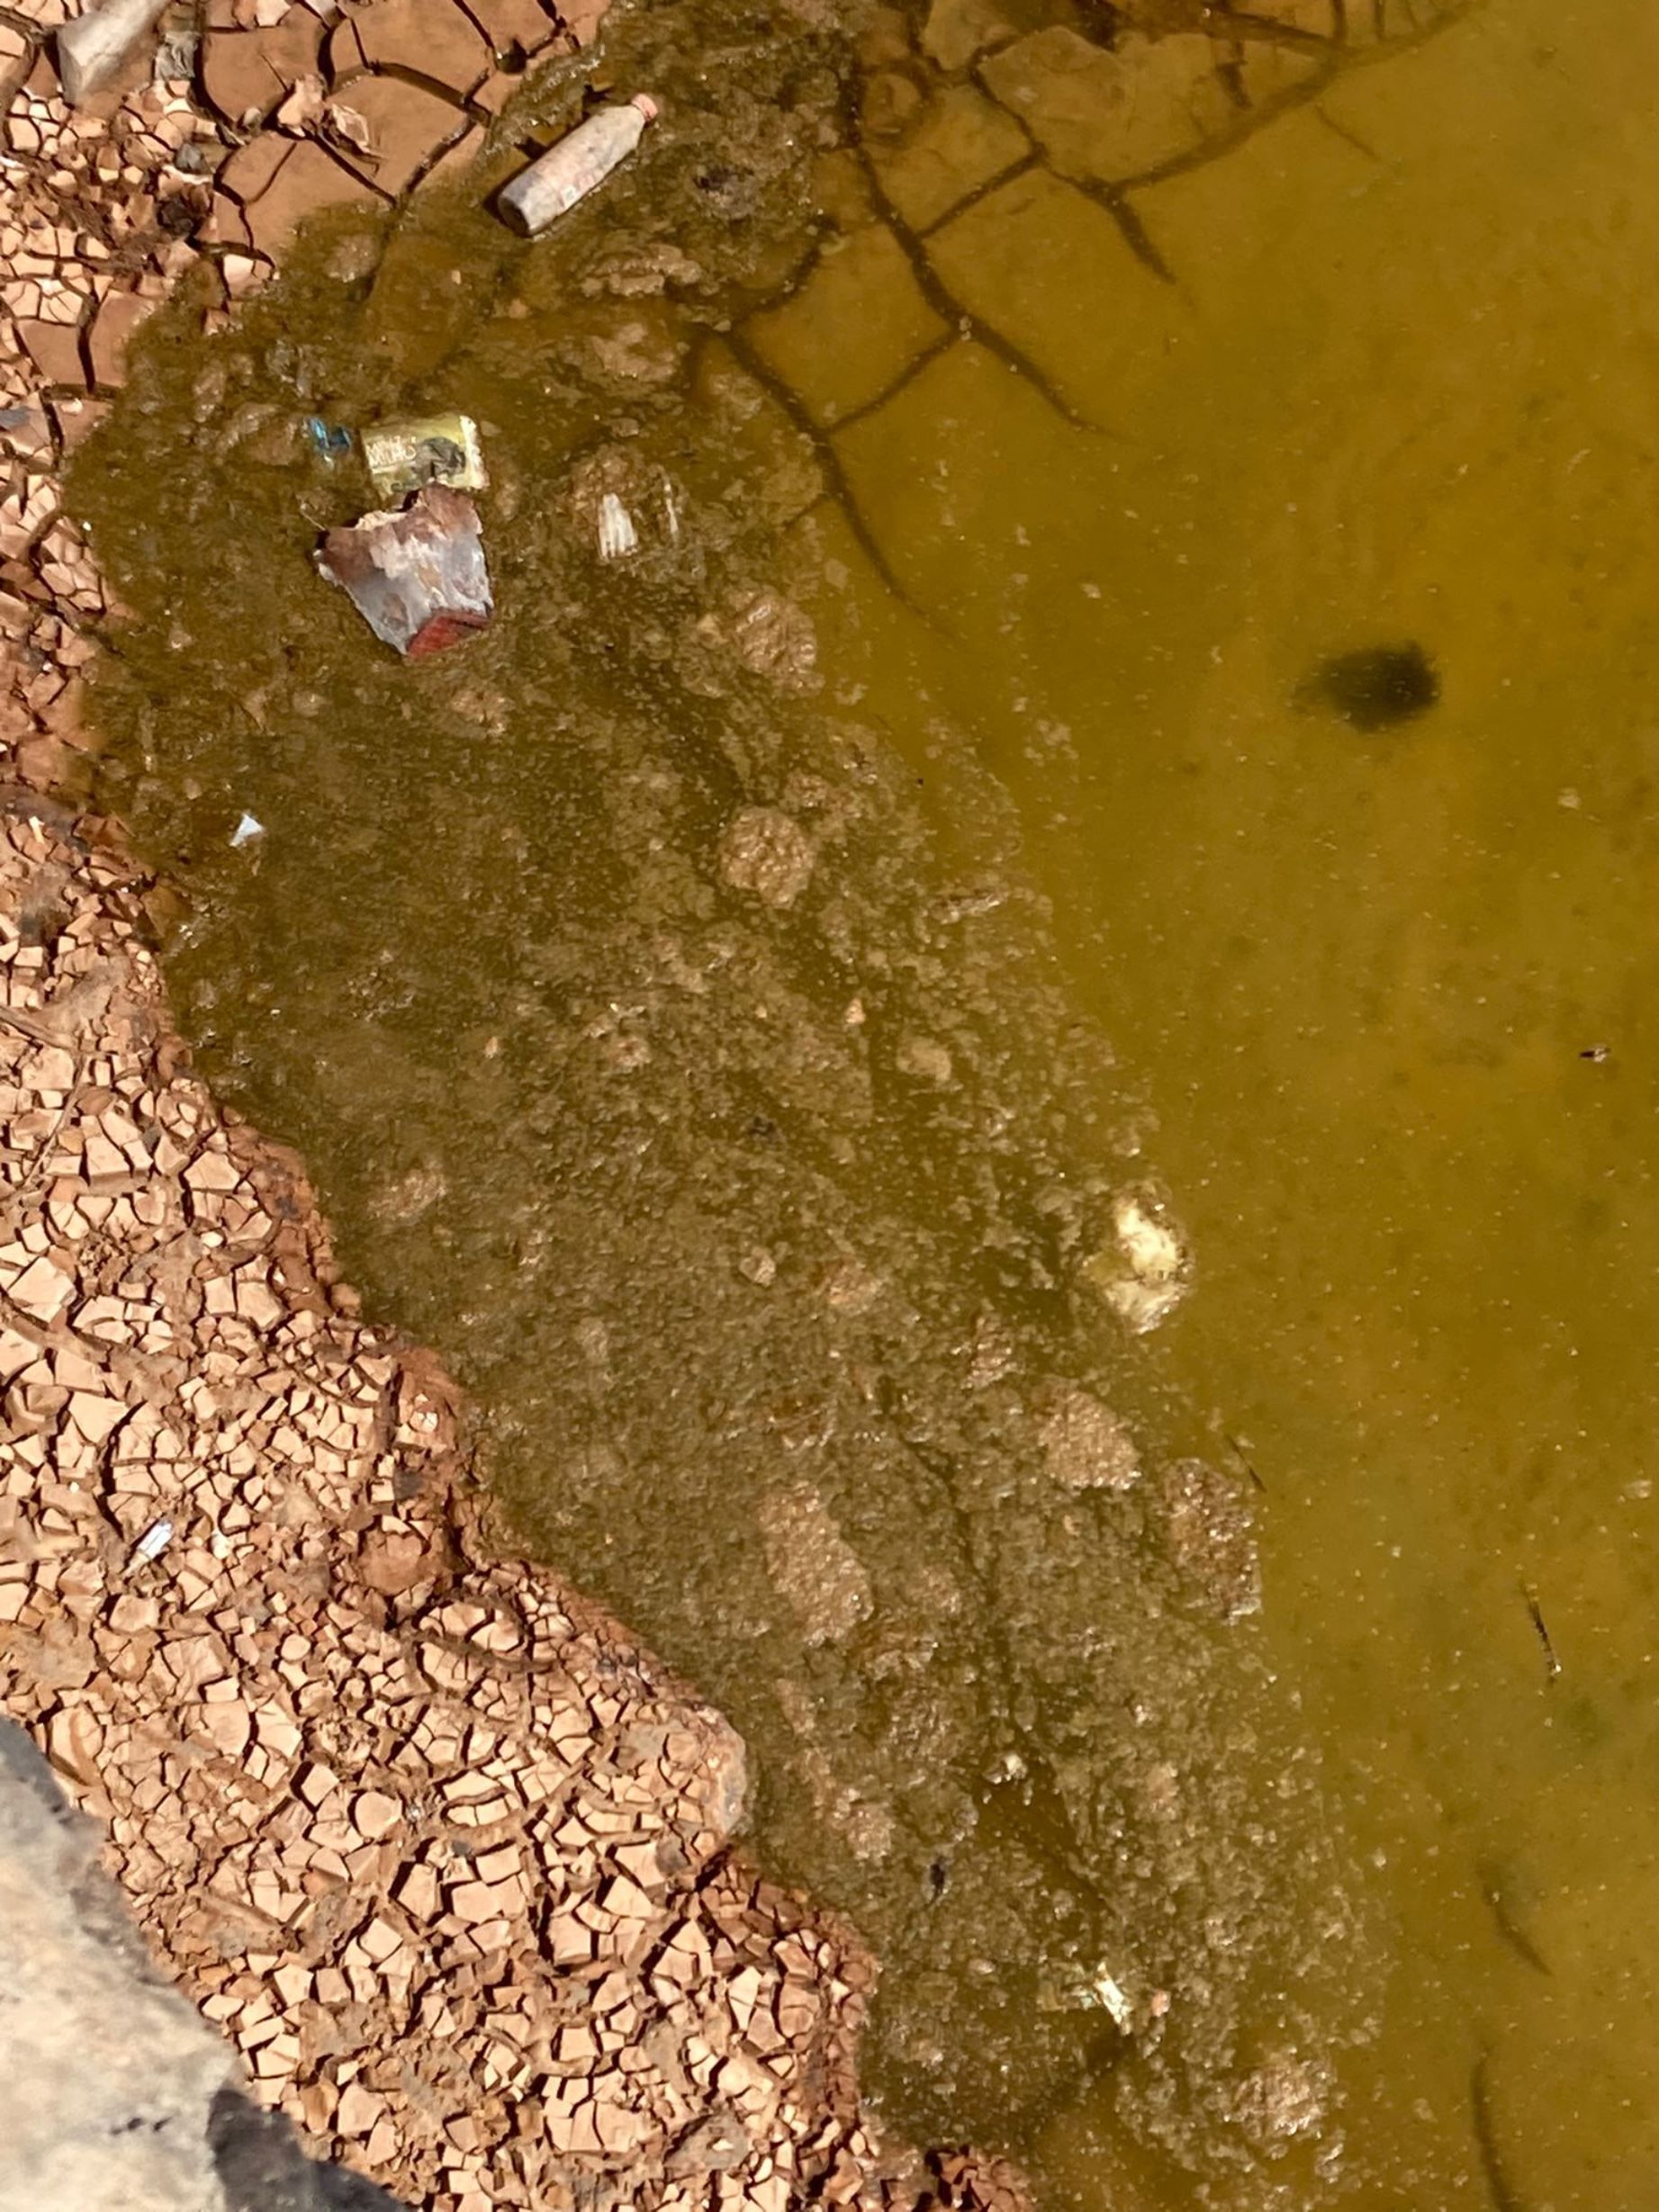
(569, 171)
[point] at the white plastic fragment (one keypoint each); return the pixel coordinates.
(154, 1542)
(245, 831)
(569, 171)
(1105, 1995)
(91, 48)
(1149, 1245)
(617, 536)
(1102, 1993)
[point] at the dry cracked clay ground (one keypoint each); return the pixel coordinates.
(440, 1850)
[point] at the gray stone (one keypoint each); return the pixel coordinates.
(109, 2074)
(114, 2095)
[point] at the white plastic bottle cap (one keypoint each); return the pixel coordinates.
(646, 106)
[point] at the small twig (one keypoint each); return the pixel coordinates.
(1239, 1453)
(1492, 2164)
(1552, 1665)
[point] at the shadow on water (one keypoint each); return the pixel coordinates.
(1097, 522)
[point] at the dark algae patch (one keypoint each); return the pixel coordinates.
(1374, 686)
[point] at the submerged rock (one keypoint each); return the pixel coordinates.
(1212, 1536)
(1146, 1271)
(813, 1565)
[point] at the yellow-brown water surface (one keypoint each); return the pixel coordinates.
(1392, 988)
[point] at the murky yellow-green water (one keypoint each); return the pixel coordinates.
(1403, 388)
(764, 1233)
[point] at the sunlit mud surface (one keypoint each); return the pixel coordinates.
(1142, 539)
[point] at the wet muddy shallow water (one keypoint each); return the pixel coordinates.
(1128, 722)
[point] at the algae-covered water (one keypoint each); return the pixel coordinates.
(1114, 788)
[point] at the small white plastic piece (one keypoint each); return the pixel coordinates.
(1146, 1270)
(1103, 1994)
(617, 536)
(154, 1542)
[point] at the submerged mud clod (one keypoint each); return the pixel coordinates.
(1084, 1445)
(766, 851)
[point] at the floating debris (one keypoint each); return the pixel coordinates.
(417, 578)
(247, 830)
(1551, 1664)
(439, 449)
